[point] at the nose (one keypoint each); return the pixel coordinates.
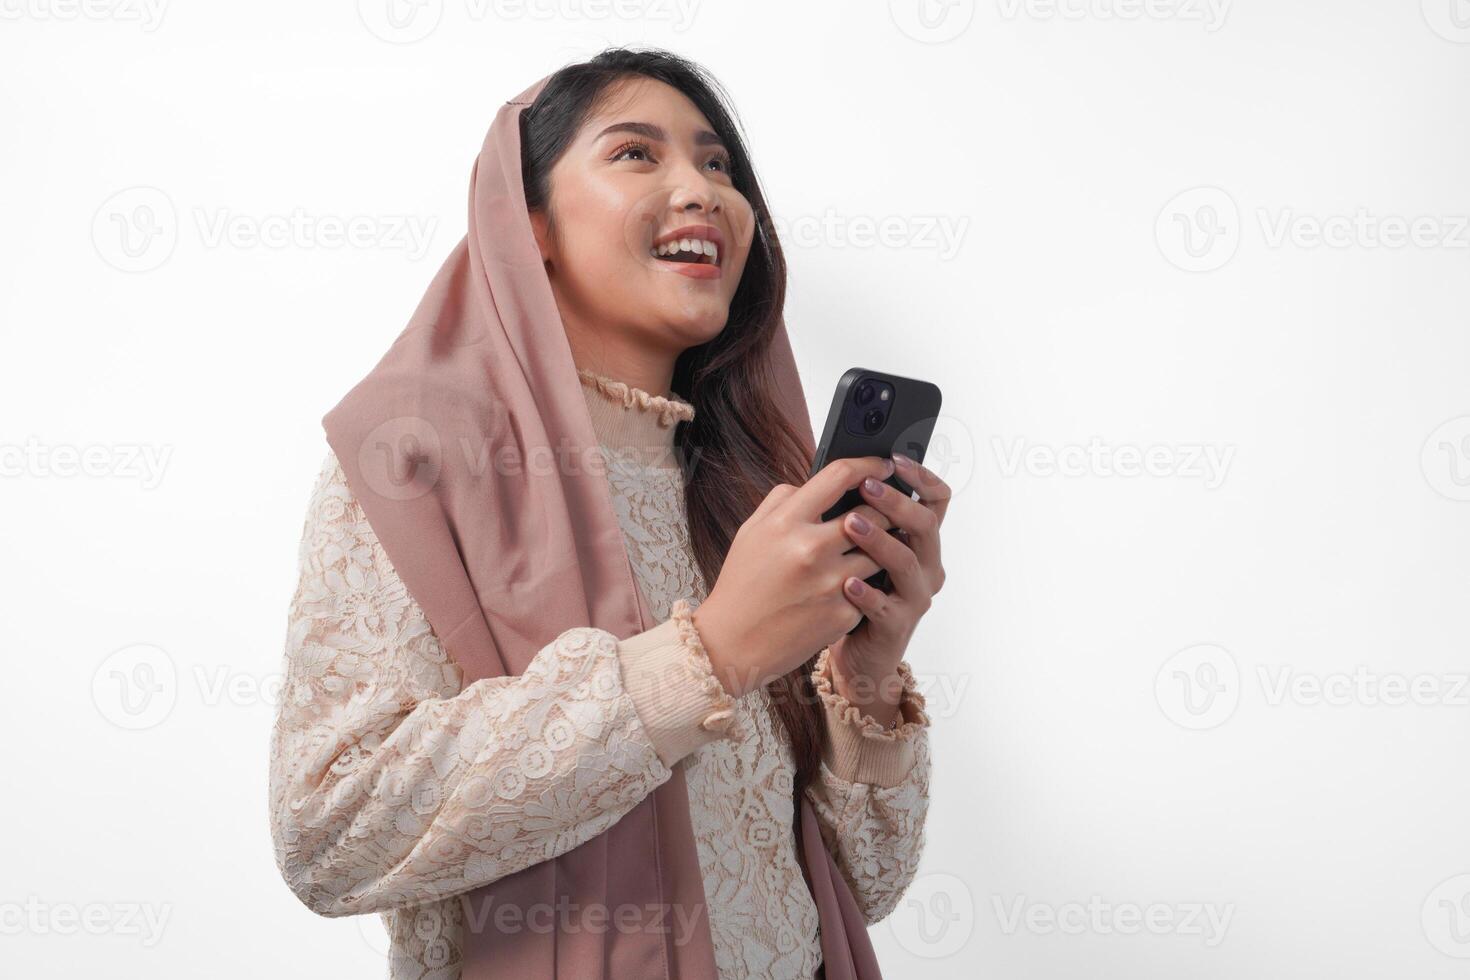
(693, 191)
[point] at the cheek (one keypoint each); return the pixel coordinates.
(596, 248)
(594, 237)
(742, 224)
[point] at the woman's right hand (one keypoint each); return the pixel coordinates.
(779, 598)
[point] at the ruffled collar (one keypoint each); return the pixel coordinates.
(635, 424)
(669, 408)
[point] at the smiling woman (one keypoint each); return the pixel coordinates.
(511, 696)
(644, 169)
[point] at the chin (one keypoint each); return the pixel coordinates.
(697, 325)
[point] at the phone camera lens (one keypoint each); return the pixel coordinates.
(872, 420)
(864, 393)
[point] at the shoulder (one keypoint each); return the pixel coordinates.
(330, 494)
(336, 526)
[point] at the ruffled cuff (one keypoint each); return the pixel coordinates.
(858, 748)
(681, 703)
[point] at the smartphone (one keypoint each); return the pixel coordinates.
(876, 414)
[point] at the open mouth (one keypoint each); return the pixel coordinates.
(697, 251)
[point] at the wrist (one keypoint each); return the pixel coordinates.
(876, 692)
(710, 627)
(859, 749)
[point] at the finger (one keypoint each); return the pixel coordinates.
(933, 492)
(817, 496)
(920, 524)
(773, 499)
(902, 563)
(856, 563)
(872, 602)
(835, 540)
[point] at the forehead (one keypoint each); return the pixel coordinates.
(647, 100)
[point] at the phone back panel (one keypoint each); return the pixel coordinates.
(909, 410)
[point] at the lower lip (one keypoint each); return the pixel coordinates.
(694, 270)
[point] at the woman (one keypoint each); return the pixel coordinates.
(513, 710)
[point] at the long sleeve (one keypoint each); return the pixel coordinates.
(871, 793)
(390, 785)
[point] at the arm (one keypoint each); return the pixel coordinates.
(390, 785)
(871, 794)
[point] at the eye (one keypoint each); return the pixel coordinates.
(723, 159)
(632, 147)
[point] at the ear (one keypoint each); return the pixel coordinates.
(541, 226)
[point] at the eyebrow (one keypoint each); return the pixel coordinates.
(702, 137)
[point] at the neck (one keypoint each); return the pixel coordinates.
(637, 425)
(650, 369)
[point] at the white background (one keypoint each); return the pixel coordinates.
(1130, 192)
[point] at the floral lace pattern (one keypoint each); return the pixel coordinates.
(762, 916)
(391, 786)
(863, 824)
(394, 788)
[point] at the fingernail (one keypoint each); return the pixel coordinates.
(859, 523)
(902, 460)
(873, 486)
(855, 586)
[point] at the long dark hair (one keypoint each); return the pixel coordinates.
(739, 438)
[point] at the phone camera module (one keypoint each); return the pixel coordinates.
(868, 407)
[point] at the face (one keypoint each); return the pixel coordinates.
(645, 172)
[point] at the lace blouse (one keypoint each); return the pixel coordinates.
(375, 733)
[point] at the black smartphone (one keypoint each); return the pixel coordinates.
(876, 414)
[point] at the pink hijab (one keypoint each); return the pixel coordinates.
(469, 447)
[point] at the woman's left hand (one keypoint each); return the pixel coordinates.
(911, 557)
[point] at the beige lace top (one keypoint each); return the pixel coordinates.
(375, 734)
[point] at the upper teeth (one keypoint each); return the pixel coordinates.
(695, 245)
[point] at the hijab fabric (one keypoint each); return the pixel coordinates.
(471, 451)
